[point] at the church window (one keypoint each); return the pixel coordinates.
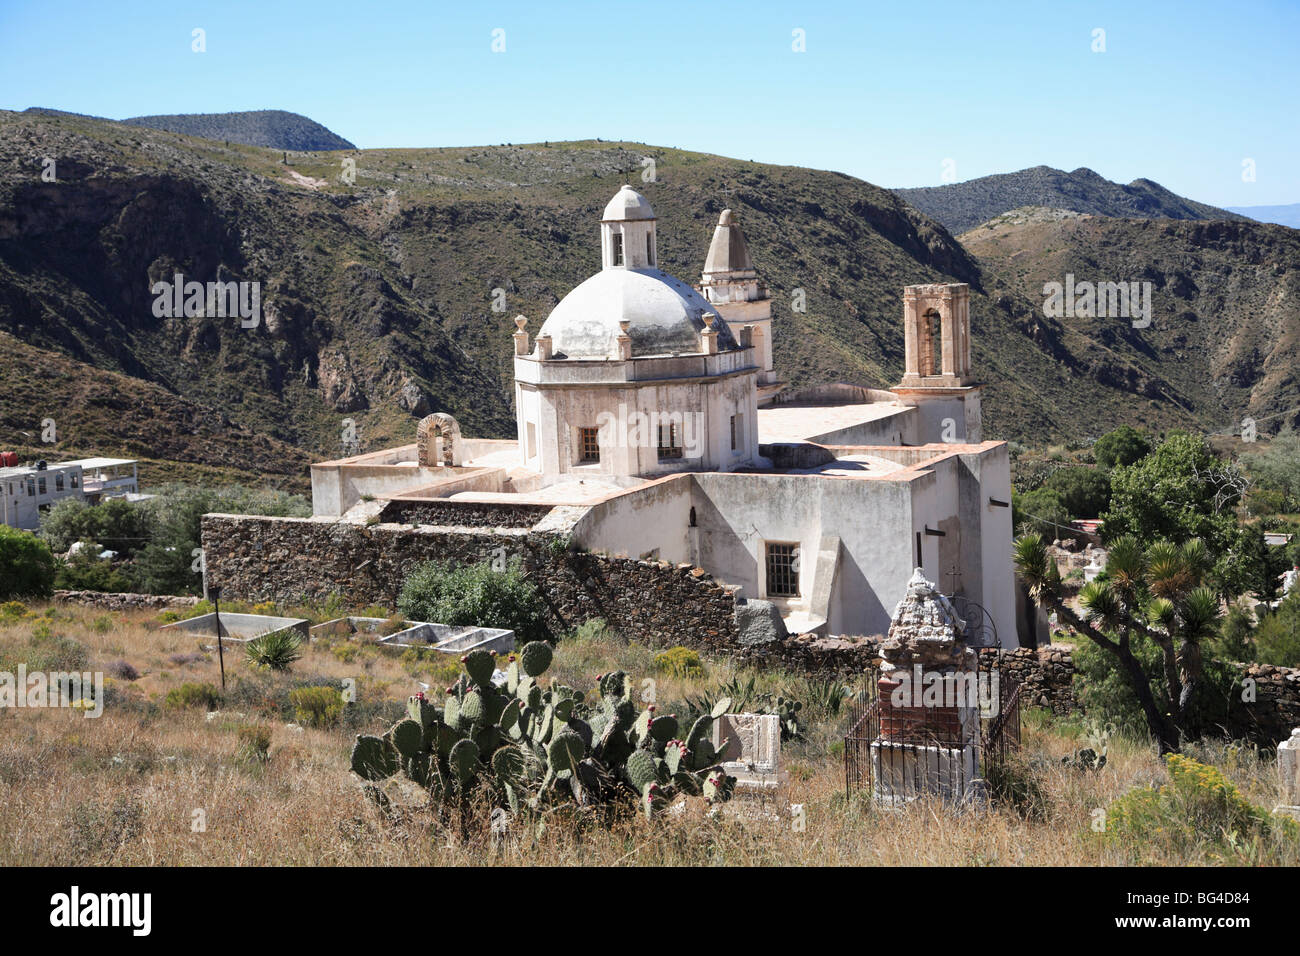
(532, 440)
(618, 248)
(670, 441)
(58, 481)
(588, 446)
(649, 250)
(737, 432)
(40, 485)
(782, 569)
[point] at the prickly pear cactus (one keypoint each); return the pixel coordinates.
(533, 747)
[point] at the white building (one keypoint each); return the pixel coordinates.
(649, 412)
(27, 491)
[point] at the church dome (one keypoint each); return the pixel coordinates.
(627, 205)
(665, 315)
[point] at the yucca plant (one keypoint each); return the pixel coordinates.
(1154, 593)
(275, 651)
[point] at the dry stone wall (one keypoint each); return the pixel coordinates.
(124, 601)
(289, 560)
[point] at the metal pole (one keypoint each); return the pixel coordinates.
(215, 592)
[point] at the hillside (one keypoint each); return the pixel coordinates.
(1225, 302)
(274, 129)
(962, 206)
(377, 295)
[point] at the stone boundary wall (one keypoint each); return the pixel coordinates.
(124, 601)
(1275, 711)
(289, 560)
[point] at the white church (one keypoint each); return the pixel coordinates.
(650, 423)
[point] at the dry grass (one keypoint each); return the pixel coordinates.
(124, 789)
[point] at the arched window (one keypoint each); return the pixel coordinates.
(618, 248)
(931, 342)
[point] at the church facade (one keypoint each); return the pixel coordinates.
(651, 423)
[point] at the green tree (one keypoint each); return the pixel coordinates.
(1041, 511)
(1084, 492)
(1182, 491)
(26, 565)
(116, 524)
(1123, 446)
(475, 595)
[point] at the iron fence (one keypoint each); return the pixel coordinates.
(900, 757)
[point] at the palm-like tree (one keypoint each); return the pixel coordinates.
(1156, 593)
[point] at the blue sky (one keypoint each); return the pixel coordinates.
(1184, 93)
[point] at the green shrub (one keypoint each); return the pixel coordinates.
(84, 571)
(26, 565)
(679, 662)
(189, 695)
(1199, 807)
(12, 611)
(275, 651)
(316, 706)
(475, 595)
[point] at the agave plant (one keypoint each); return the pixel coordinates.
(274, 651)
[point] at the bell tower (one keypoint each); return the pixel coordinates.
(937, 372)
(627, 232)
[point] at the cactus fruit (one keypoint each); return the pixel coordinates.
(535, 657)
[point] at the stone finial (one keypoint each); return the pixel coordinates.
(746, 336)
(544, 348)
(709, 337)
(624, 340)
(520, 336)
